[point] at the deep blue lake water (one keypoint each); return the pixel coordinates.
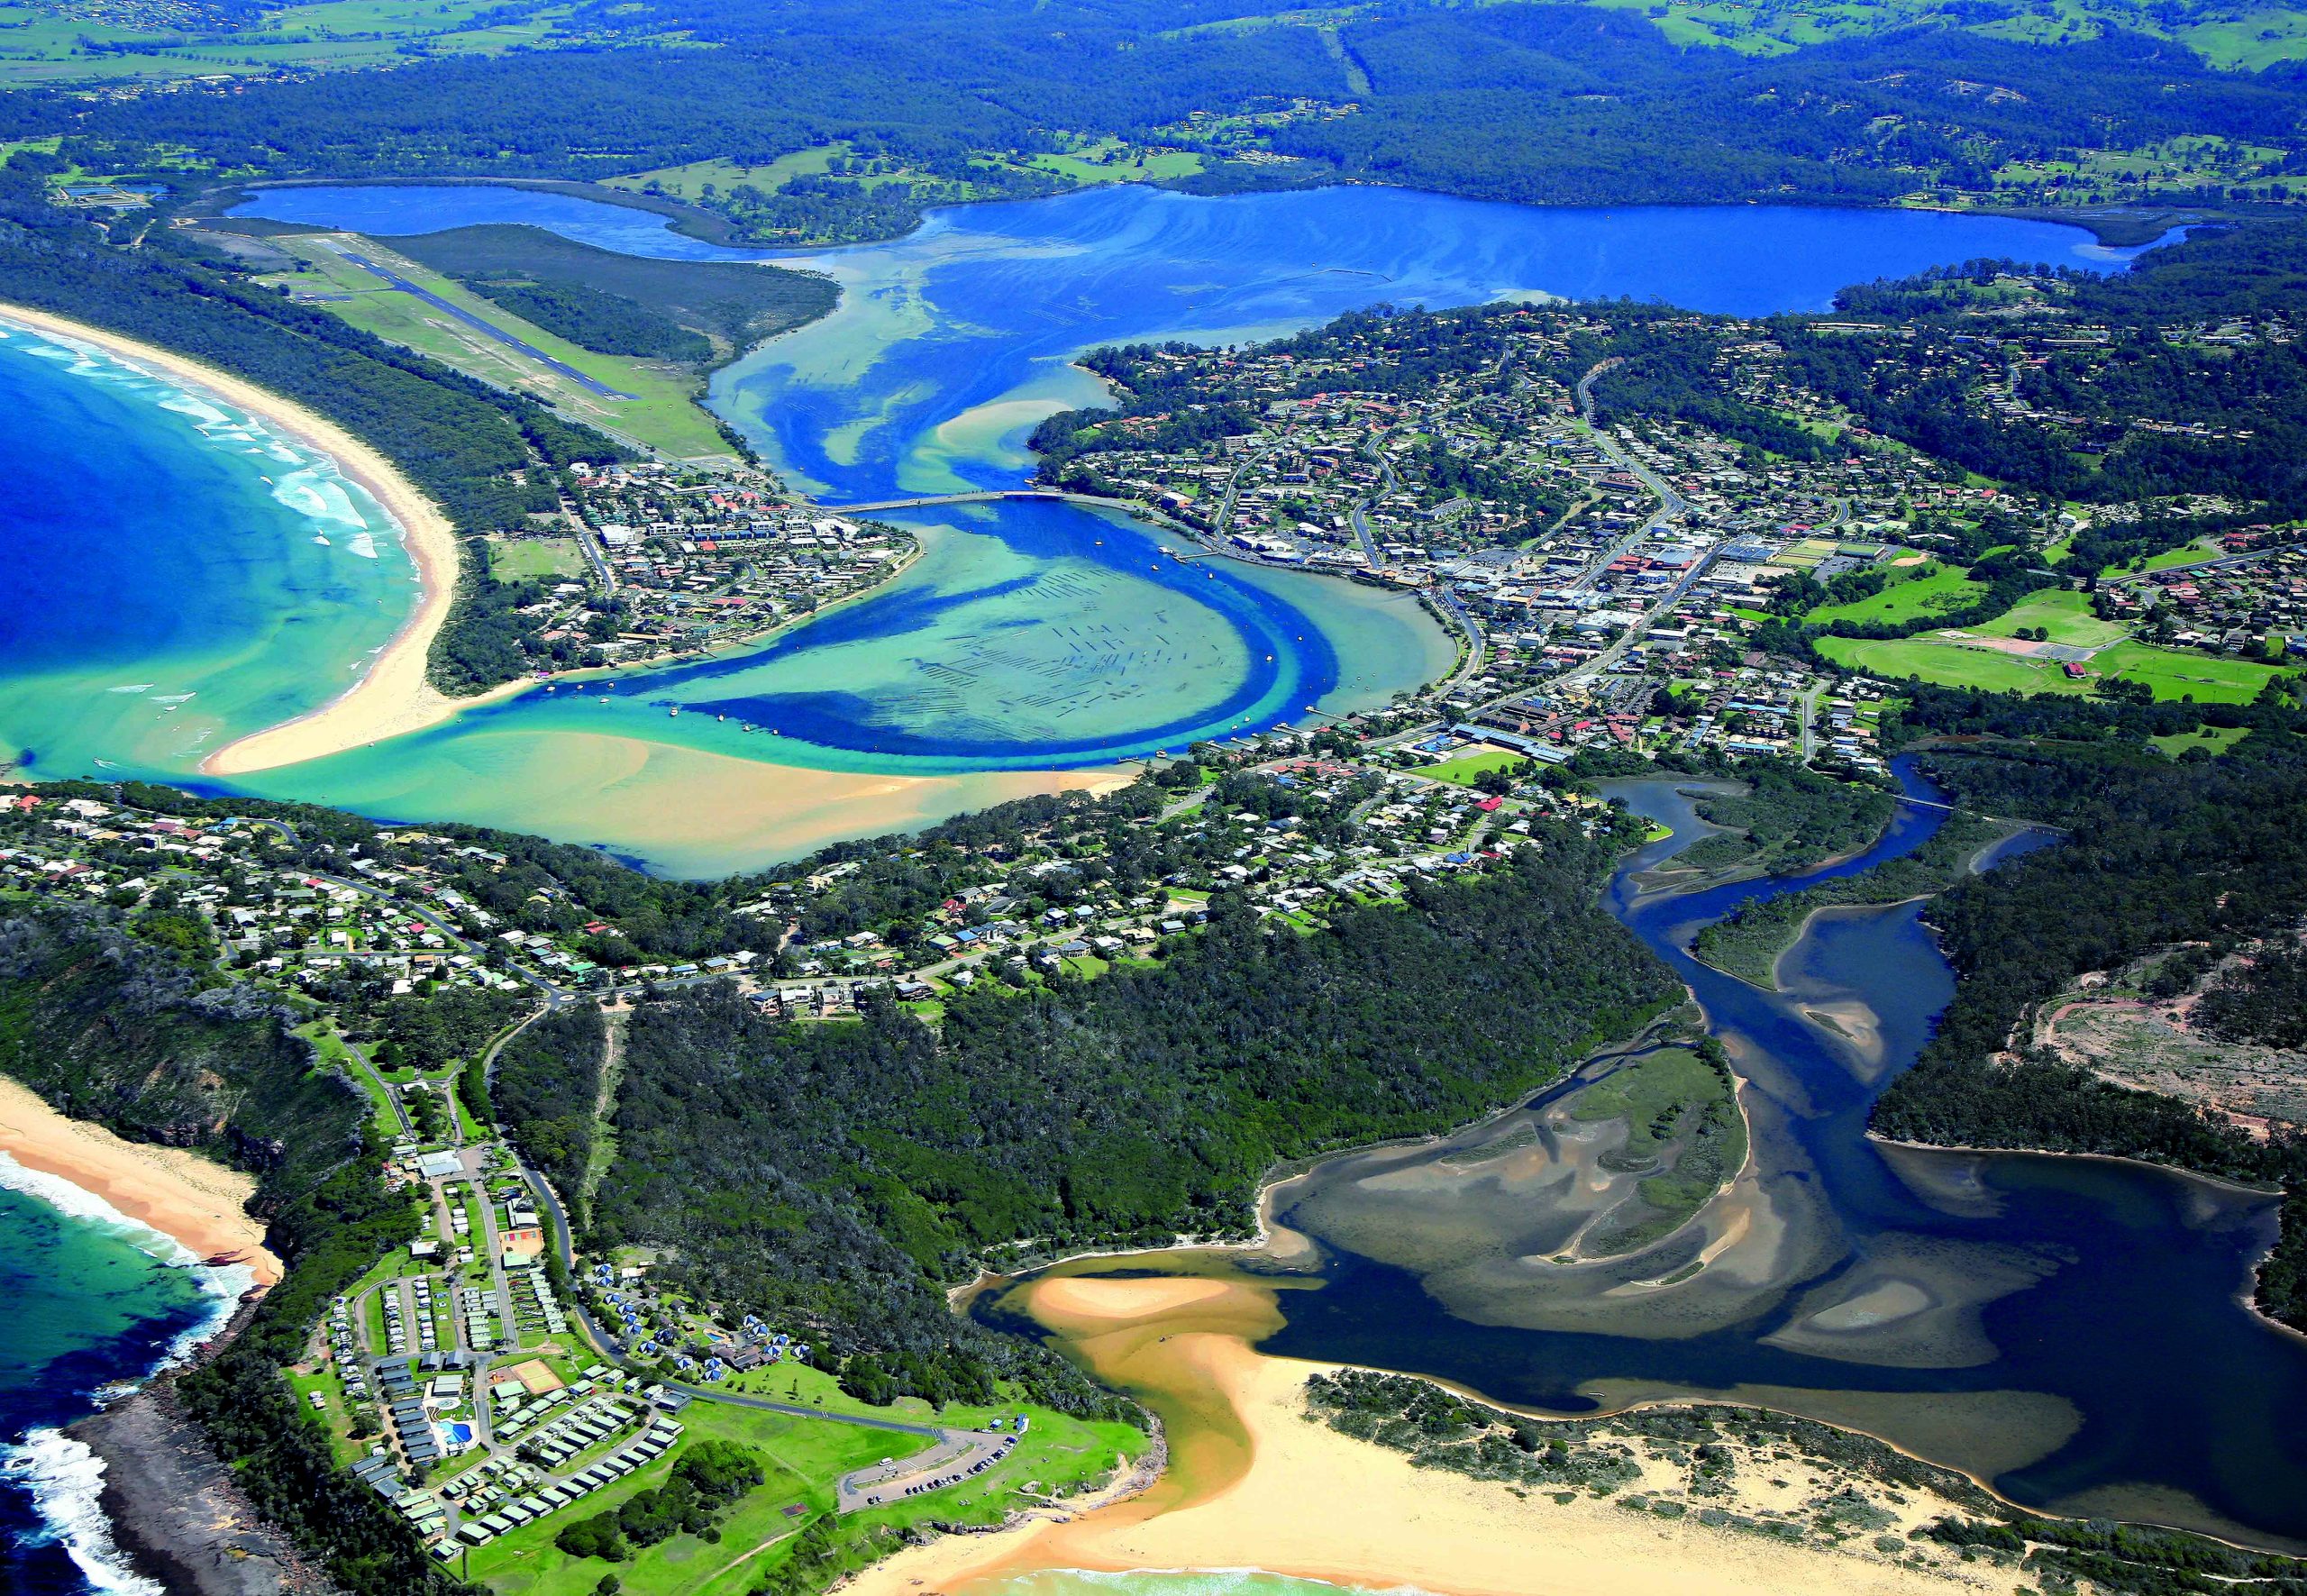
(951, 341)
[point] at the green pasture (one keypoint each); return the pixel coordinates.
(2169, 673)
(1090, 163)
(39, 44)
(721, 176)
(1934, 589)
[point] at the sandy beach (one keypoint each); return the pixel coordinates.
(393, 695)
(194, 1200)
(1284, 1494)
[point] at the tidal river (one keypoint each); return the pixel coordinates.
(1033, 643)
(2068, 1330)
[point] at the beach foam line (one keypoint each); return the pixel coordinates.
(66, 1482)
(193, 1204)
(393, 695)
(222, 1283)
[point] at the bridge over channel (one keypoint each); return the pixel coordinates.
(929, 501)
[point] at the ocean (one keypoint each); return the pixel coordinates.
(96, 1302)
(179, 573)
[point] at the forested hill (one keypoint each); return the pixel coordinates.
(2206, 850)
(112, 1028)
(1556, 103)
(107, 1027)
(837, 1174)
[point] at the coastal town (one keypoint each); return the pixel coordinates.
(596, 1220)
(649, 560)
(1628, 582)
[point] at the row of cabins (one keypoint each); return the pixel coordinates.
(579, 1430)
(424, 1514)
(638, 1454)
(346, 1349)
(535, 1309)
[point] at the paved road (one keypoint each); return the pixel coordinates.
(588, 539)
(706, 1393)
(1809, 712)
(1670, 505)
(957, 1454)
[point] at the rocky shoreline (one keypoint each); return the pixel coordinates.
(176, 1512)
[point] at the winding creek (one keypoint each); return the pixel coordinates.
(2070, 1331)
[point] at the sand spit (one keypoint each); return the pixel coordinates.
(1265, 1486)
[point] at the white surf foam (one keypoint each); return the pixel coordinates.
(223, 1284)
(66, 1482)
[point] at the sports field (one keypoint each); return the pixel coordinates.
(2169, 673)
(1463, 770)
(548, 558)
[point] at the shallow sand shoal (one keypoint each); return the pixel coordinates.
(392, 696)
(191, 1200)
(1312, 1503)
(684, 811)
(1093, 1297)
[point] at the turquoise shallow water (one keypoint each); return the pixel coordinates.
(169, 585)
(92, 1299)
(1031, 637)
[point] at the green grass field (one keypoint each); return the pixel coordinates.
(2169, 673)
(1462, 770)
(548, 558)
(661, 415)
(2063, 614)
(2210, 739)
(802, 1459)
(333, 1053)
(39, 44)
(2203, 548)
(692, 181)
(1089, 165)
(1934, 589)
(2248, 42)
